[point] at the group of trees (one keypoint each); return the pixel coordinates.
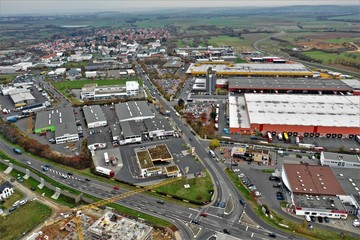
(15, 136)
(202, 125)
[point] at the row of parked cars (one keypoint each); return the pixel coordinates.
(17, 204)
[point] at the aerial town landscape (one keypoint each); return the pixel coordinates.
(172, 121)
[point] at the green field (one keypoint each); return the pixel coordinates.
(331, 57)
(342, 40)
(77, 64)
(80, 83)
(6, 78)
(23, 220)
(198, 191)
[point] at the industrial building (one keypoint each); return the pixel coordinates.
(136, 111)
(95, 92)
(96, 141)
(339, 160)
(288, 85)
(61, 121)
(131, 132)
(94, 116)
(314, 190)
(112, 226)
(307, 115)
(250, 69)
(157, 127)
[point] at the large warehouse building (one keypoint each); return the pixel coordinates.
(94, 116)
(308, 115)
(289, 85)
(61, 121)
(136, 111)
(250, 69)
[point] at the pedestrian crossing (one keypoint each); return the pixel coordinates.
(62, 174)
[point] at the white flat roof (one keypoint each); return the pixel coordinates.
(237, 113)
(249, 67)
(299, 109)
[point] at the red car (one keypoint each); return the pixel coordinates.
(116, 187)
(204, 214)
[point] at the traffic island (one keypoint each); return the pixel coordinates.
(229, 205)
(195, 229)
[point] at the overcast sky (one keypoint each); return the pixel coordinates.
(78, 6)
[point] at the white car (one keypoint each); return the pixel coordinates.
(28, 162)
(356, 223)
(241, 175)
(236, 170)
(64, 176)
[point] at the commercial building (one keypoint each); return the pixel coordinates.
(307, 115)
(113, 226)
(339, 160)
(288, 85)
(249, 69)
(21, 95)
(157, 127)
(136, 111)
(199, 84)
(96, 141)
(131, 132)
(94, 116)
(79, 57)
(61, 121)
(314, 190)
(95, 92)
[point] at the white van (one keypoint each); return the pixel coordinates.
(308, 218)
(22, 202)
(356, 223)
(16, 204)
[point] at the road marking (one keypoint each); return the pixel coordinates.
(247, 227)
(252, 234)
(190, 215)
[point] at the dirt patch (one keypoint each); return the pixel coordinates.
(324, 36)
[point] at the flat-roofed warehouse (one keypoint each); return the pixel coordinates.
(289, 85)
(136, 111)
(94, 116)
(300, 114)
(250, 69)
(61, 121)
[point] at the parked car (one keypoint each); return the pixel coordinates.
(356, 223)
(116, 187)
(12, 209)
(277, 185)
(22, 202)
(279, 196)
(326, 219)
(320, 219)
(216, 204)
(223, 204)
(274, 178)
(307, 218)
(33, 188)
(313, 219)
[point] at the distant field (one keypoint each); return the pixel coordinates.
(343, 40)
(326, 57)
(80, 83)
(22, 220)
(236, 42)
(6, 78)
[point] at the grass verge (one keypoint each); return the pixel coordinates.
(22, 220)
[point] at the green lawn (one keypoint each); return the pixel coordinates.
(225, 41)
(10, 200)
(6, 78)
(325, 57)
(23, 220)
(198, 191)
(342, 40)
(80, 83)
(77, 64)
